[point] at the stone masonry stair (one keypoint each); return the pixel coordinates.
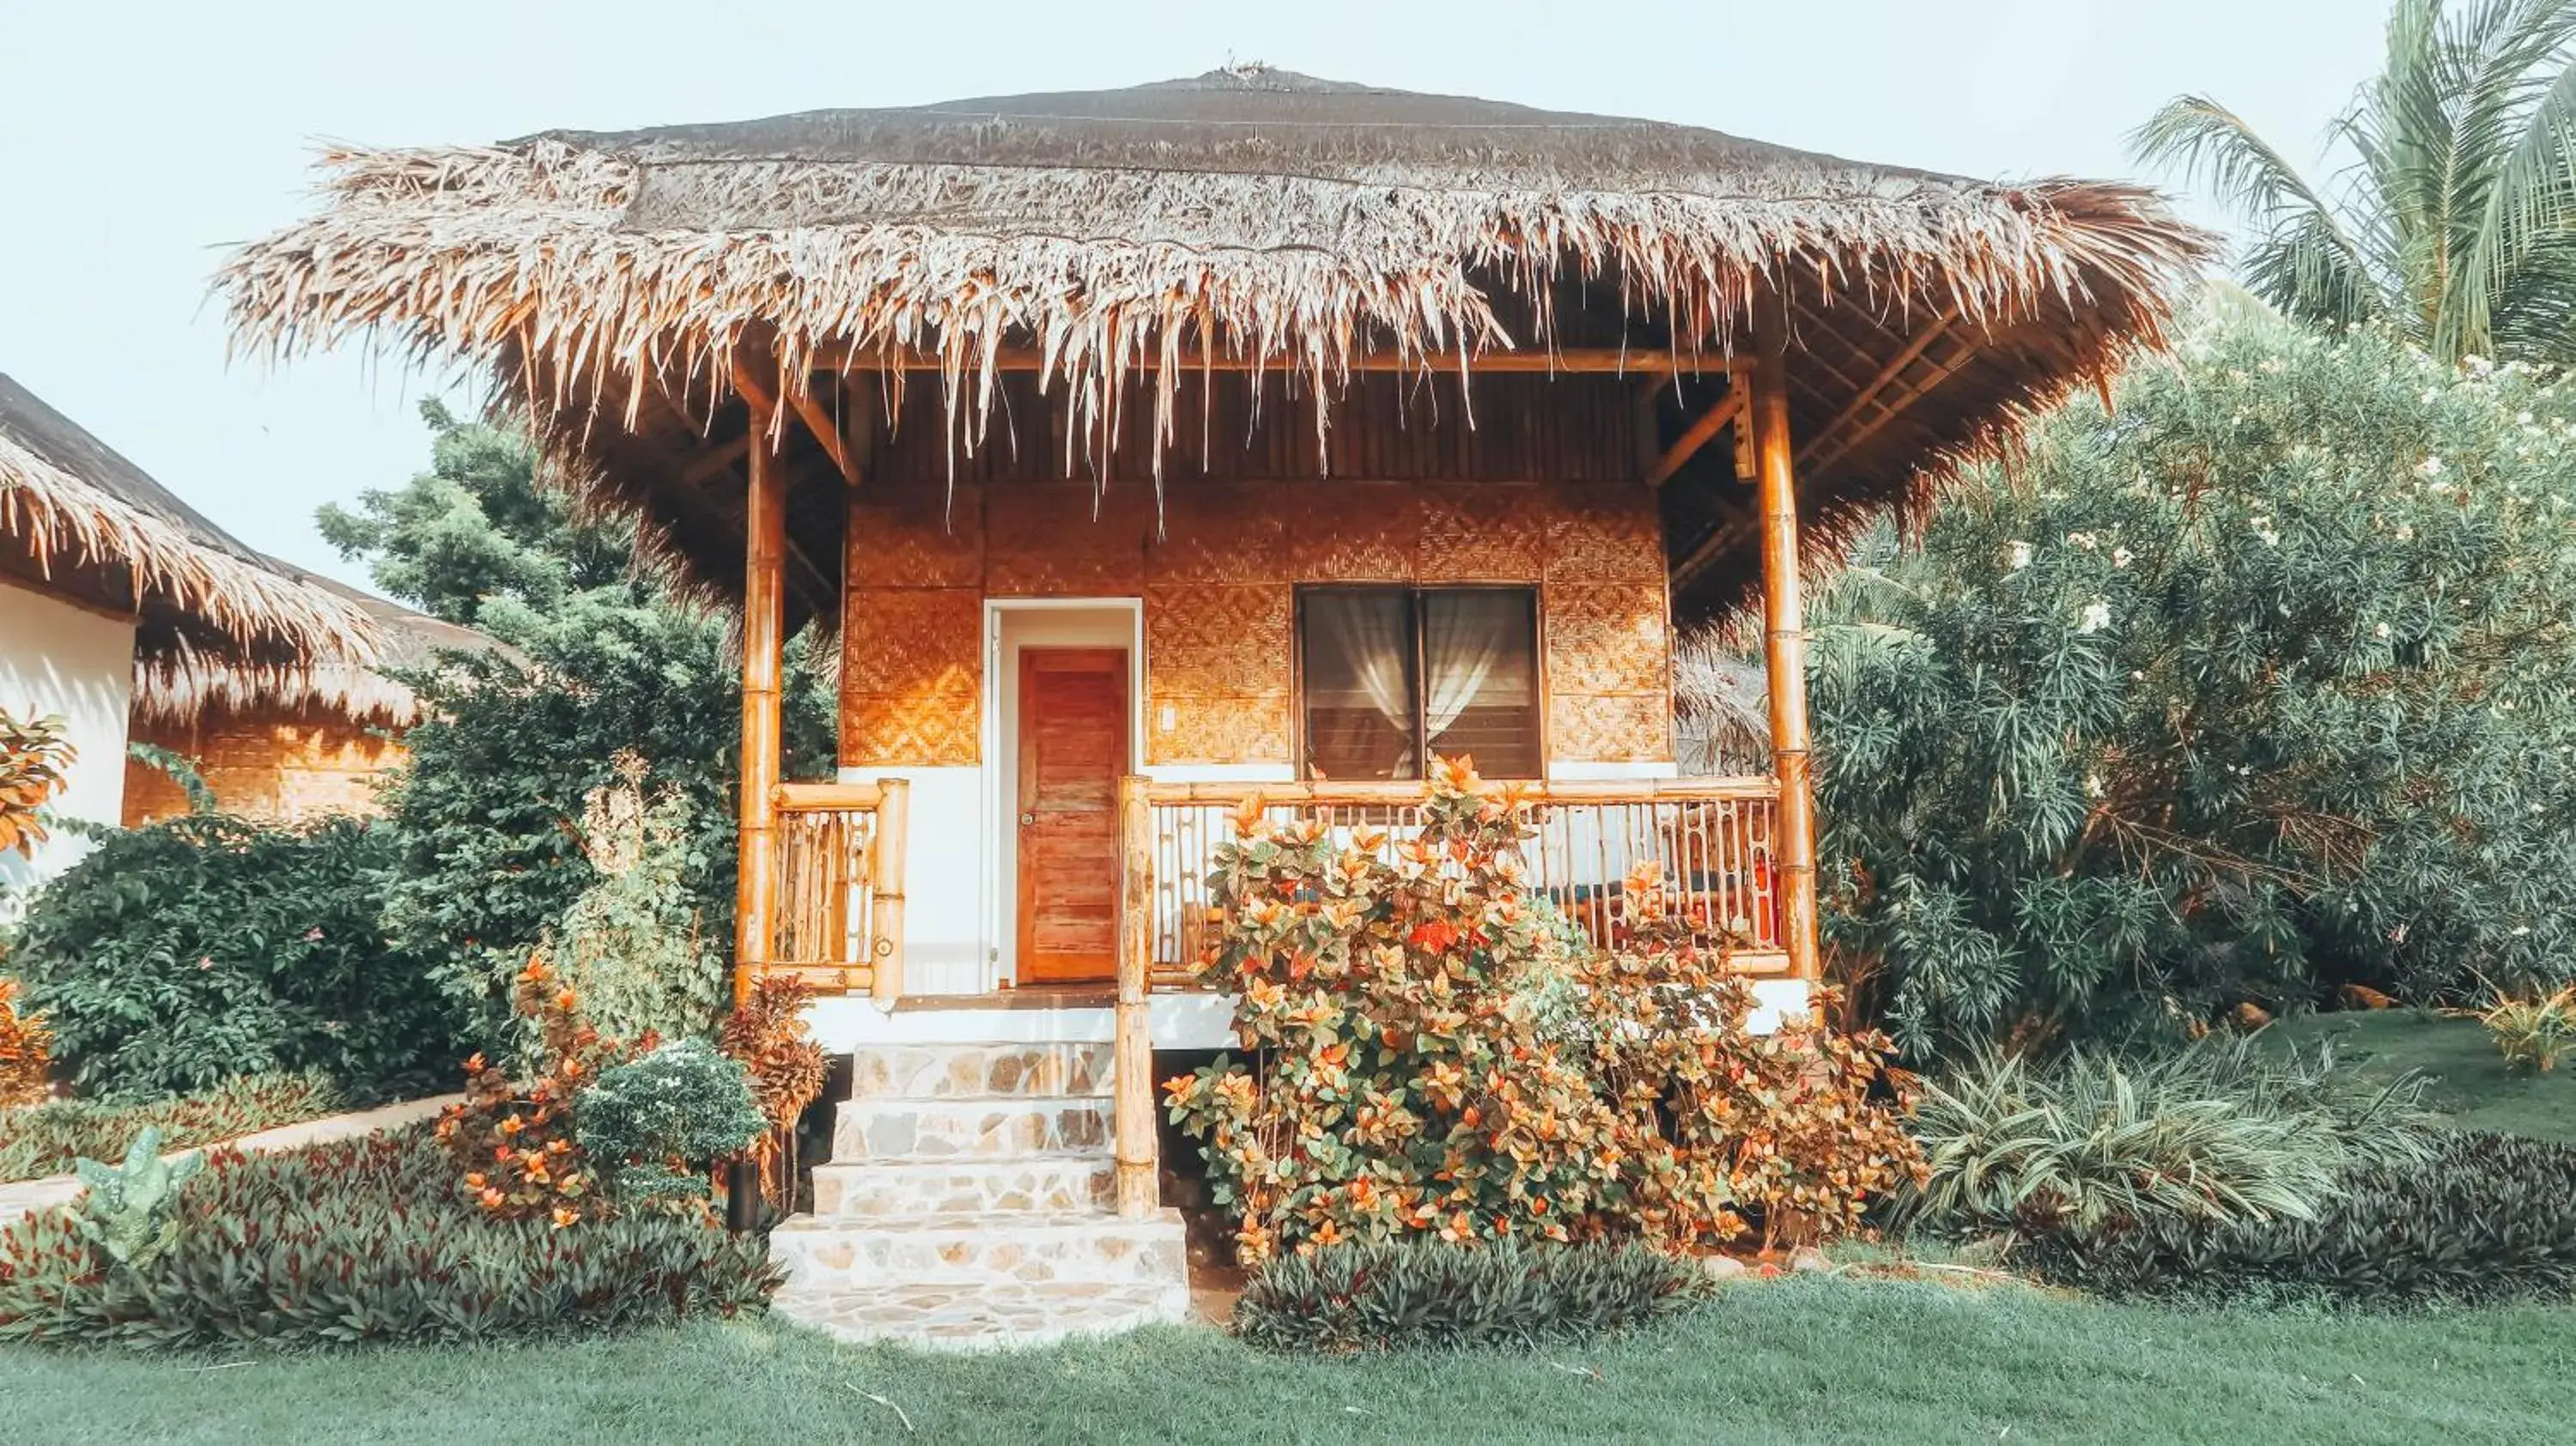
(968, 1204)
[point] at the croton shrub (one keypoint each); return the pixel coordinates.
(1434, 1052)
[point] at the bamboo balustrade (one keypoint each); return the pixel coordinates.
(836, 888)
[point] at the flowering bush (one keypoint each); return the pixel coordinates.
(1438, 1054)
(515, 1143)
(26, 1058)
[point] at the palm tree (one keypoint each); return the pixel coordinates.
(2454, 221)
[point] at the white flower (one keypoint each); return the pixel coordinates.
(2437, 488)
(2477, 365)
(2430, 467)
(2096, 617)
(2522, 419)
(2379, 630)
(2519, 930)
(2122, 557)
(2017, 557)
(2092, 785)
(2083, 540)
(2264, 532)
(2137, 677)
(2432, 395)
(2406, 532)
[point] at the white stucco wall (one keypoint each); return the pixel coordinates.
(68, 661)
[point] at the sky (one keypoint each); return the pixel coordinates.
(139, 140)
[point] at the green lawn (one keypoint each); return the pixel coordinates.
(1805, 1360)
(2470, 1083)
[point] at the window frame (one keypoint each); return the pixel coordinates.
(1413, 593)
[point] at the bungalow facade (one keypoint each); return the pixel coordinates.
(1154, 450)
(111, 590)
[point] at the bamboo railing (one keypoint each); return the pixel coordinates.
(836, 887)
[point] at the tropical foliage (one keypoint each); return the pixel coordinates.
(512, 1137)
(361, 1241)
(48, 1138)
(2450, 224)
(2221, 1131)
(174, 957)
(2533, 1033)
(602, 662)
(26, 1054)
(659, 1123)
(34, 753)
(1427, 1294)
(632, 942)
(1438, 1054)
(2254, 685)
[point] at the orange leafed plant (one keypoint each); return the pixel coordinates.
(767, 1034)
(514, 1144)
(25, 1051)
(1437, 1051)
(34, 760)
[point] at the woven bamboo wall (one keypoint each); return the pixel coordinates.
(277, 766)
(1540, 489)
(1219, 590)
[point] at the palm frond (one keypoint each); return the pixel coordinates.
(2330, 277)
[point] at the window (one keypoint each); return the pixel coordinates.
(1393, 676)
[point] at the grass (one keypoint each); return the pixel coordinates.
(2471, 1088)
(1802, 1360)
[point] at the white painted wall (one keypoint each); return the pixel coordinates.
(69, 661)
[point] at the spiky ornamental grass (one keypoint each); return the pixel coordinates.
(2255, 685)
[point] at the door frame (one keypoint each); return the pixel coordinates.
(1000, 751)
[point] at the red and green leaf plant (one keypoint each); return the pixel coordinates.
(767, 1033)
(26, 1052)
(1436, 1052)
(514, 1141)
(35, 758)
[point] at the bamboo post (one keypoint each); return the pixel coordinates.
(1139, 1191)
(885, 947)
(1784, 651)
(764, 606)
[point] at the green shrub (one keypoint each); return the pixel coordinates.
(2490, 1218)
(204, 948)
(45, 1139)
(2217, 1131)
(2256, 684)
(1418, 1293)
(631, 944)
(368, 1240)
(656, 1125)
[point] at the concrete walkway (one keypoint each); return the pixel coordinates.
(26, 1197)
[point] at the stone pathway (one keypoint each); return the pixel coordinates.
(26, 1197)
(967, 1206)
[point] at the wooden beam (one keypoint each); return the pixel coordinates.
(1701, 431)
(1575, 360)
(715, 461)
(1784, 639)
(1889, 411)
(764, 607)
(1871, 390)
(765, 401)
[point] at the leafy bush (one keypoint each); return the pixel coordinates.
(631, 943)
(2533, 1033)
(513, 1143)
(601, 658)
(1412, 1294)
(203, 948)
(129, 1212)
(2489, 1218)
(368, 1240)
(2219, 1131)
(660, 1122)
(26, 1054)
(2259, 683)
(1409, 1081)
(47, 1138)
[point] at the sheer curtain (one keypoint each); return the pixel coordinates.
(1466, 636)
(1369, 636)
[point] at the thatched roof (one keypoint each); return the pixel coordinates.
(78, 518)
(1247, 214)
(406, 641)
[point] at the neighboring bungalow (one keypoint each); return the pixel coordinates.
(293, 749)
(106, 576)
(1246, 436)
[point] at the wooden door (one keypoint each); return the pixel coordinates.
(1073, 734)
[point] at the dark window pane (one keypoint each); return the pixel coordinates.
(1480, 679)
(1360, 701)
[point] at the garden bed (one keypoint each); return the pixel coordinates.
(44, 1140)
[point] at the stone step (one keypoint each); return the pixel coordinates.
(998, 1317)
(946, 1071)
(877, 1192)
(983, 1128)
(972, 1252)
